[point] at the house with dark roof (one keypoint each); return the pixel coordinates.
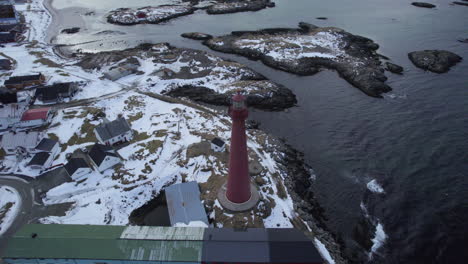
(103, 157)
(21, 82)
(110, 133)
(56, 93)
(5, 64)
(48, 145)
(36, 117)
(7, 97)
(218, 145)
(77, 168)
(41, 161)
(8, 14)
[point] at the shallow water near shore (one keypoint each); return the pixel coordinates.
(413, 141)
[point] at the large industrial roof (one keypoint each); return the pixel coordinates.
(100, 242)
(165, 244)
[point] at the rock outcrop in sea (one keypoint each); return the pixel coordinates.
(423, 4)
(307, 50)
(438, 61)
(195, 74)
(391, 67)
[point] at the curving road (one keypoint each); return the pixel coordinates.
(27, 194)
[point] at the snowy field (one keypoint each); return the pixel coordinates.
(10, 203)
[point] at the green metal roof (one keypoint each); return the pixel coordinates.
(105, 242)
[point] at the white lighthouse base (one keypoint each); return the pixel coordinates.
(238, 207)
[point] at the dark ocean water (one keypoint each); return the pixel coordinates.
(414, 142)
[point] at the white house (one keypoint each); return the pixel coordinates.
(36, 117)
(110, 133)
(77, 168)
(11, 114)
(20, 142)
(218, 145)
(103, 157)
(41, 161)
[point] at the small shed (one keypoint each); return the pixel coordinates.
(121, 71)
(184, 205)
(218, 145)
(77, 168)
(41, 161)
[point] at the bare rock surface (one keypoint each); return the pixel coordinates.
(196, 36)
(423, 4)
(225, 7)
(149, 14)
(161, 13)
(460, 3)
(307, 50)
(438, 61)
(391, 67)
(195, 74)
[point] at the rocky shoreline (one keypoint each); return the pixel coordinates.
(194, 74)
(298, 180)
(308, 49)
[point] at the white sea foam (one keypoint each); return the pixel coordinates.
(378, 240)
(374, 187)
(324, 251)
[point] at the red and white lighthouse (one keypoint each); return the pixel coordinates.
(239, 194)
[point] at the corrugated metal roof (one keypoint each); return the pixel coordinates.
(163, 233)
(20, 139)
(184, 205)
(97, 242)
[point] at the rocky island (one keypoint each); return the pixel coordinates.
(161, 13)
(152, 15)
(438, 61)
(195, 74)
(307, 50)
(225, 7)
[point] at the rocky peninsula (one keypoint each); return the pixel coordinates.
(438, 61)
(195, 74)
(308, 49)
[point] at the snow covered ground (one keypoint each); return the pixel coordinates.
(10, 203)
(156, 157)
(295, 46)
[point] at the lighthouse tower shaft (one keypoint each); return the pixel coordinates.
(238, 184)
